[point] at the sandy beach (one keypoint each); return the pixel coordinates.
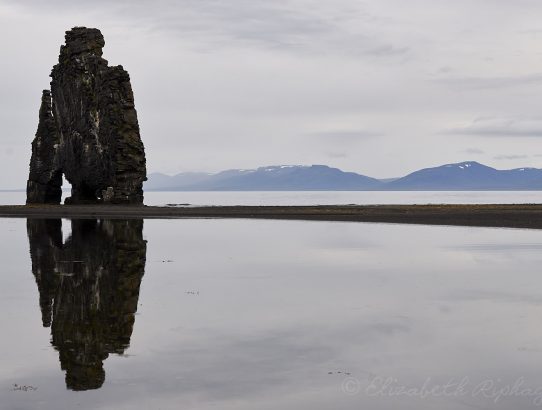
(511, 216)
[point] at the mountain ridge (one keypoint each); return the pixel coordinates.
(466, 175)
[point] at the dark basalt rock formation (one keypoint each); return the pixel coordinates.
(89, 290)
(88, 129)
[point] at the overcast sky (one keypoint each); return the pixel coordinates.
(379, 87)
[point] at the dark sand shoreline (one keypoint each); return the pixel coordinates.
(510, 216)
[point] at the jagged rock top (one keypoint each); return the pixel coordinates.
(83, 40)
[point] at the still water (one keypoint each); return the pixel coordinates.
(343, 197)
(255, 314)
(321, 197)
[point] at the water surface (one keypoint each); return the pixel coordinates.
(285, 198)
(244, 314)
(343, 197)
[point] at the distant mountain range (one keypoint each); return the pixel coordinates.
(462, 176)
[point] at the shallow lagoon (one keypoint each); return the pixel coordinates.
(244, 314)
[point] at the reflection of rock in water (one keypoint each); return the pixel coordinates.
(89, 289)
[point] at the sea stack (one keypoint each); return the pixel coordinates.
(88, 130)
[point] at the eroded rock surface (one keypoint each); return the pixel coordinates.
(88, 129)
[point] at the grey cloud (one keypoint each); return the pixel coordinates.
(498, 247)
(501, 127)
(341, 154)
(497, 296)
(444, 70)
(248, 21)
(298, 26)
(481, 83)
(387, 50)
(344, 135)
(338, 144)
(532, 31)
(510, 157)
(472, 151)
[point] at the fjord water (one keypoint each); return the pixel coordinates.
(285, 198)
(244, 314)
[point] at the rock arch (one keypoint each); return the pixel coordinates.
(88, 129)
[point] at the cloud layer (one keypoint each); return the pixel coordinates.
(366, 86)
(502, 127)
